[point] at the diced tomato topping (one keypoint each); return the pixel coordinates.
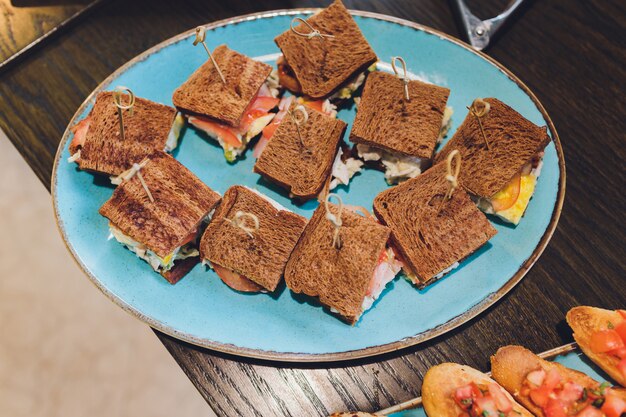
(464, 414)
(485, 406)
(503, 403)
(613, 406)
(464, 396)
(225, 133)
(505, 198)
(553, 379)
(555, 408)
(589, 411)
(621, 367)
(622, 313)
(621, 330)
(540, 396)
(620, 353)
(605, 340)
(236, 281)
(536, 377)
(571, 392)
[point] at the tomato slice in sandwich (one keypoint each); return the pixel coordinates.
(236, 281)
(506, 197)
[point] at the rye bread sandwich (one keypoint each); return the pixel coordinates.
(234, 112)
(601, 335)
(303, 157)
(245, 257)
(397, 135)
(161, 222)
(501, 168)
(549, 389)
(347, 280)
(332, 65)
(453, 390)
(98, 146)
(430, 233)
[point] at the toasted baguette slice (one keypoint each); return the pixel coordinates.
(431, 240)
(302, 169)
(513, 142)
(585, 321)
(261, 257)
(204, 94)
(181, 202)
(322, 66)
(511, 364)
(441, 382)
(146, 129)
(356, 414)
(339, 277)
(386, 120)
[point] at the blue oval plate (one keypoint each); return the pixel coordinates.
(201, 310)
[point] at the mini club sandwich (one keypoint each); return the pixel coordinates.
(98, 146)
(501, 172)
(246, 259)
(397, 135)
(303, 156)
(330, 66)
(235, 112)
(347, 280)
(453, 390)
(430, 233)
(161, 227)
(601, 335)
(549, 389)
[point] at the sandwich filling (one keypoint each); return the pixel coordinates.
(410, 275)
(511, 202)
(386, 270)
(344, 170)
(257, 116)
(186, 250)
(399, 167)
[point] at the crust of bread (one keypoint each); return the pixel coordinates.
(303, 170)
(339, 277)
(428, 238)
(180, 269)
(440, 384)
(322, 66)
(182, 201)
(584, 321)
(205, 94)
(513, 142)
(385, 120)
(262, 257)
(146, 129)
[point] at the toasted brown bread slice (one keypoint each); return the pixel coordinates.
(180, 269)
(262, 257)
(181, 202)
(303, 170)
(204, 93)
(146, 129)
(441, 382)
(385, 119)
(585, 321)
(430, 240)
(323, 65)
(511, 364)
(339, 277)
(513, 142)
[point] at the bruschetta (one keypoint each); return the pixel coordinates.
(453, 390)
(601, 335)
(549, 389)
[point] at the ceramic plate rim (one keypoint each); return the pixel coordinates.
(320, 357)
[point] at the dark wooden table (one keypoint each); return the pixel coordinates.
(571, 53)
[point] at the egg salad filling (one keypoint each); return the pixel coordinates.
(349, 89)
(174, 135)
(343, 171)
(400, 167)
(510, 203)
(234, 140)
(156, 262)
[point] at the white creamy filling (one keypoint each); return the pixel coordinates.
(397, 167)
(346, 91)
(385, 272)
(412, 278)
(343, 171)
(273, 83)
(157, 263)
(446, 123)
(174, 134)
(74, 157)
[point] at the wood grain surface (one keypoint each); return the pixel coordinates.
(570, 53)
